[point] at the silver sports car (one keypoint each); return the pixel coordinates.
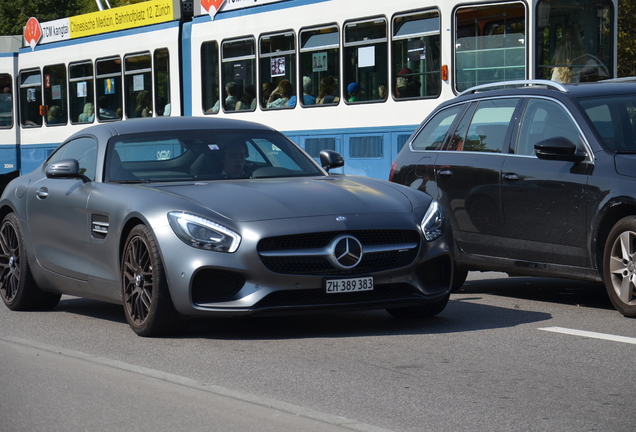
(177, 218)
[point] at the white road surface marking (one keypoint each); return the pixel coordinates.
(588, 334)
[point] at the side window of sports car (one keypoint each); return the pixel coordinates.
(544, 119)
(83, 150)
(431, 137)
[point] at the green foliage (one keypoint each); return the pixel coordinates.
(626, 40)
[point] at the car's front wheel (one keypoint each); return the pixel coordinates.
(459, 277)
(147, 303)
(423, 311)
(17, 287)
(619, 266)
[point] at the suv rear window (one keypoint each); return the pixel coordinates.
(614, 119)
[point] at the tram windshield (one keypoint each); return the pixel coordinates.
(574, 40)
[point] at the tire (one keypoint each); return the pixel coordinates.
(147, 304)
(423, 311)
(459, 277)
(619, 266)
(17, 287)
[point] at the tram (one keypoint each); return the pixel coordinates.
(354, 76)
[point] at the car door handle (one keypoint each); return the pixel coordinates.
(42, 193)
(444, 173)
(511, 177)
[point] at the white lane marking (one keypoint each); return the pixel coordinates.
(605, 336)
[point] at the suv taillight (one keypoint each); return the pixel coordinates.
(393, 166)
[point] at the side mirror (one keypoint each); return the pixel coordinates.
(330, 159)
(558, 148)
(66, 168)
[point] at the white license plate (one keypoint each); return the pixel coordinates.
(349, 285)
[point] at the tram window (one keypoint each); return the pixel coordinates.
(319, 60)
(490, 44)
(6, 101)
(55, 95)
(585, 31)
(313, 146)
(209, 75)
(238, 73)
(109, 91)
(162, 82)
(138, 85)
(366, 47)
(31, 98)
(82, 92)
(416, 63)
(366, 146)
(278, 69)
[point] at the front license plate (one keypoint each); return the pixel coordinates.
(349, 285)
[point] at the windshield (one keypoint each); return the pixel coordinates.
(205, 155)
(575, 41)
(614, 118)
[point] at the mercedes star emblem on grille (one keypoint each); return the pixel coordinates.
(347, 252)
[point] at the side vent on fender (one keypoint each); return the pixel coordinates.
(99, 226)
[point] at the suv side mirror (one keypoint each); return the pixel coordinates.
(558, 148)
(330, 159)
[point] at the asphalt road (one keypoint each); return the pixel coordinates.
(507, 354)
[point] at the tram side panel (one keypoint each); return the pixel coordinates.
(9, 131)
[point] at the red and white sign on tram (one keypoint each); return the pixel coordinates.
(211, 6)
(32, 32)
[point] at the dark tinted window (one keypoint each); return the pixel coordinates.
(431, 137)
(488, 126)
(544, 119)
(614, 119)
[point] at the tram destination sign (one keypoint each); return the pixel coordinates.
(105, 21)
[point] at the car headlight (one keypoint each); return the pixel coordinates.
(433, 222)
(204, 234)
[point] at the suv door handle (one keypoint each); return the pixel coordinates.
(444, 173)
(511, 177)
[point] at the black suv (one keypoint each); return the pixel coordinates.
(538, 178)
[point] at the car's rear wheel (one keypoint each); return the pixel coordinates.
(147, 304)
(619, 266)
(17, 287)
(423, 311)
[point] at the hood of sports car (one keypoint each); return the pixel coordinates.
(266, 199)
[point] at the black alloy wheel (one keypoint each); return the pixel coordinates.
(18, 290)
(147, 304)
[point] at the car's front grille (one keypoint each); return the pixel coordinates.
(315, 297)
(320, 266)
(389, 252)
(321, 239)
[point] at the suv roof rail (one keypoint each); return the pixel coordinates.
(517, 83)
